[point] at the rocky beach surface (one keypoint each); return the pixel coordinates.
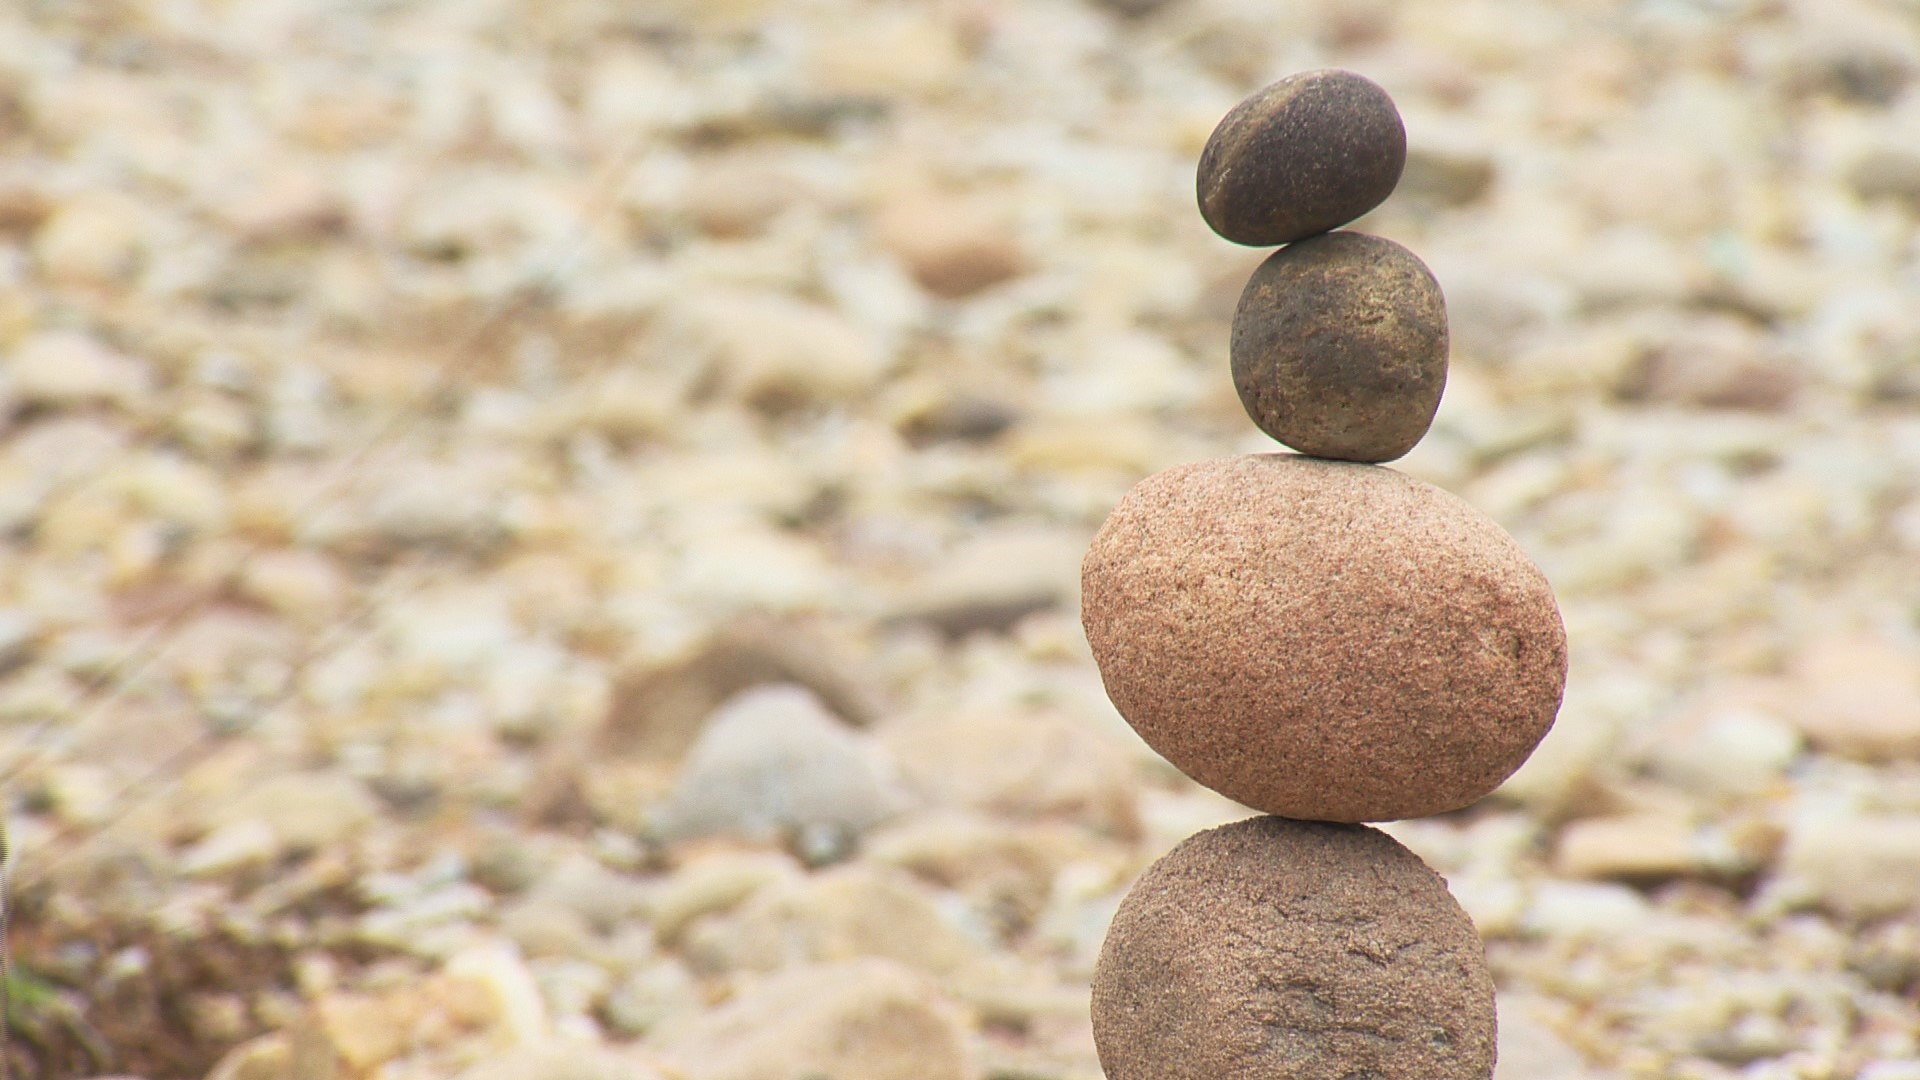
(542, 539)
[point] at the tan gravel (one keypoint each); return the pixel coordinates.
(417, 419)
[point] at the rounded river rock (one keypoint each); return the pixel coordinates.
(1304, 155)
(1274, 948)
(1340, 347)
(1322, 640)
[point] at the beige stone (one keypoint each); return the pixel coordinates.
(91, 241)
(1006, 873)
(1714, 363)
(842, 914)
(64, 369)
(1284, 948)
(1858, 695)
(1322, 640)
(1857, 865)
(1531, 1049)
(561, 1061)
(995, 579)
(1629, 846)
(737, 195)
(1731, 744)
(307, 811)
(1065, 767)
(657, 708)
(892, 54)
(715, 882)
(305, 585)
(498, 991)
(864, 1020)
(365, 1030)
(953, 246)
(265, 1058)
(777, 353)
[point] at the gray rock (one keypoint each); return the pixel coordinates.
(773, 763)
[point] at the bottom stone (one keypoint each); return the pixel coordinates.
(1272, 948)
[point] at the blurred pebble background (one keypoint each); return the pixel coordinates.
(540, 539)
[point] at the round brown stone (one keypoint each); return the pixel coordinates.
(1275, 948)
(1340, 347)
(1318, 639)
(1304, 155)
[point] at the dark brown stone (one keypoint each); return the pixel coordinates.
(1275, 948)
(1340, 347)
(1322, 640)
(1302, 156)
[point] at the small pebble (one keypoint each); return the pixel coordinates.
(773, 763)
(64, 369)
(1858, 865)
(1628, 847)
(651, 995)
(1271, 948)
(1302, 156)
(953, 247)
(268, 1057)
(559, 1060)
(1530, 1049)
(1340, 347)
(840, 914)
(1890, 173)
(1857, 695)
(860, 1020)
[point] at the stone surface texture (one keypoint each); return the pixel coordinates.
(1304, 155)
(417, 420)
(1322, 640)
(1272, 947)
(1339, 347)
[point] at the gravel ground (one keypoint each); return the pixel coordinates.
(540, 538)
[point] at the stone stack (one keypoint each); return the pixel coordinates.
(1323, 639)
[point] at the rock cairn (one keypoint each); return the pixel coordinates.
(1328, 641)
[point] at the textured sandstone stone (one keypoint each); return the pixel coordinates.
(1340, 347)
(1304, 155)
(1322, 640)
(1270, 948)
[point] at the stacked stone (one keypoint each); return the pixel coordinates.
(1321, 638)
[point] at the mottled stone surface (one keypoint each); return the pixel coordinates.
(1307, 154)
(1320, 639)
(1340, 347)
(1275, 948)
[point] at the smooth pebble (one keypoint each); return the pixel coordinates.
(1307, 154)
(1339, 347)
